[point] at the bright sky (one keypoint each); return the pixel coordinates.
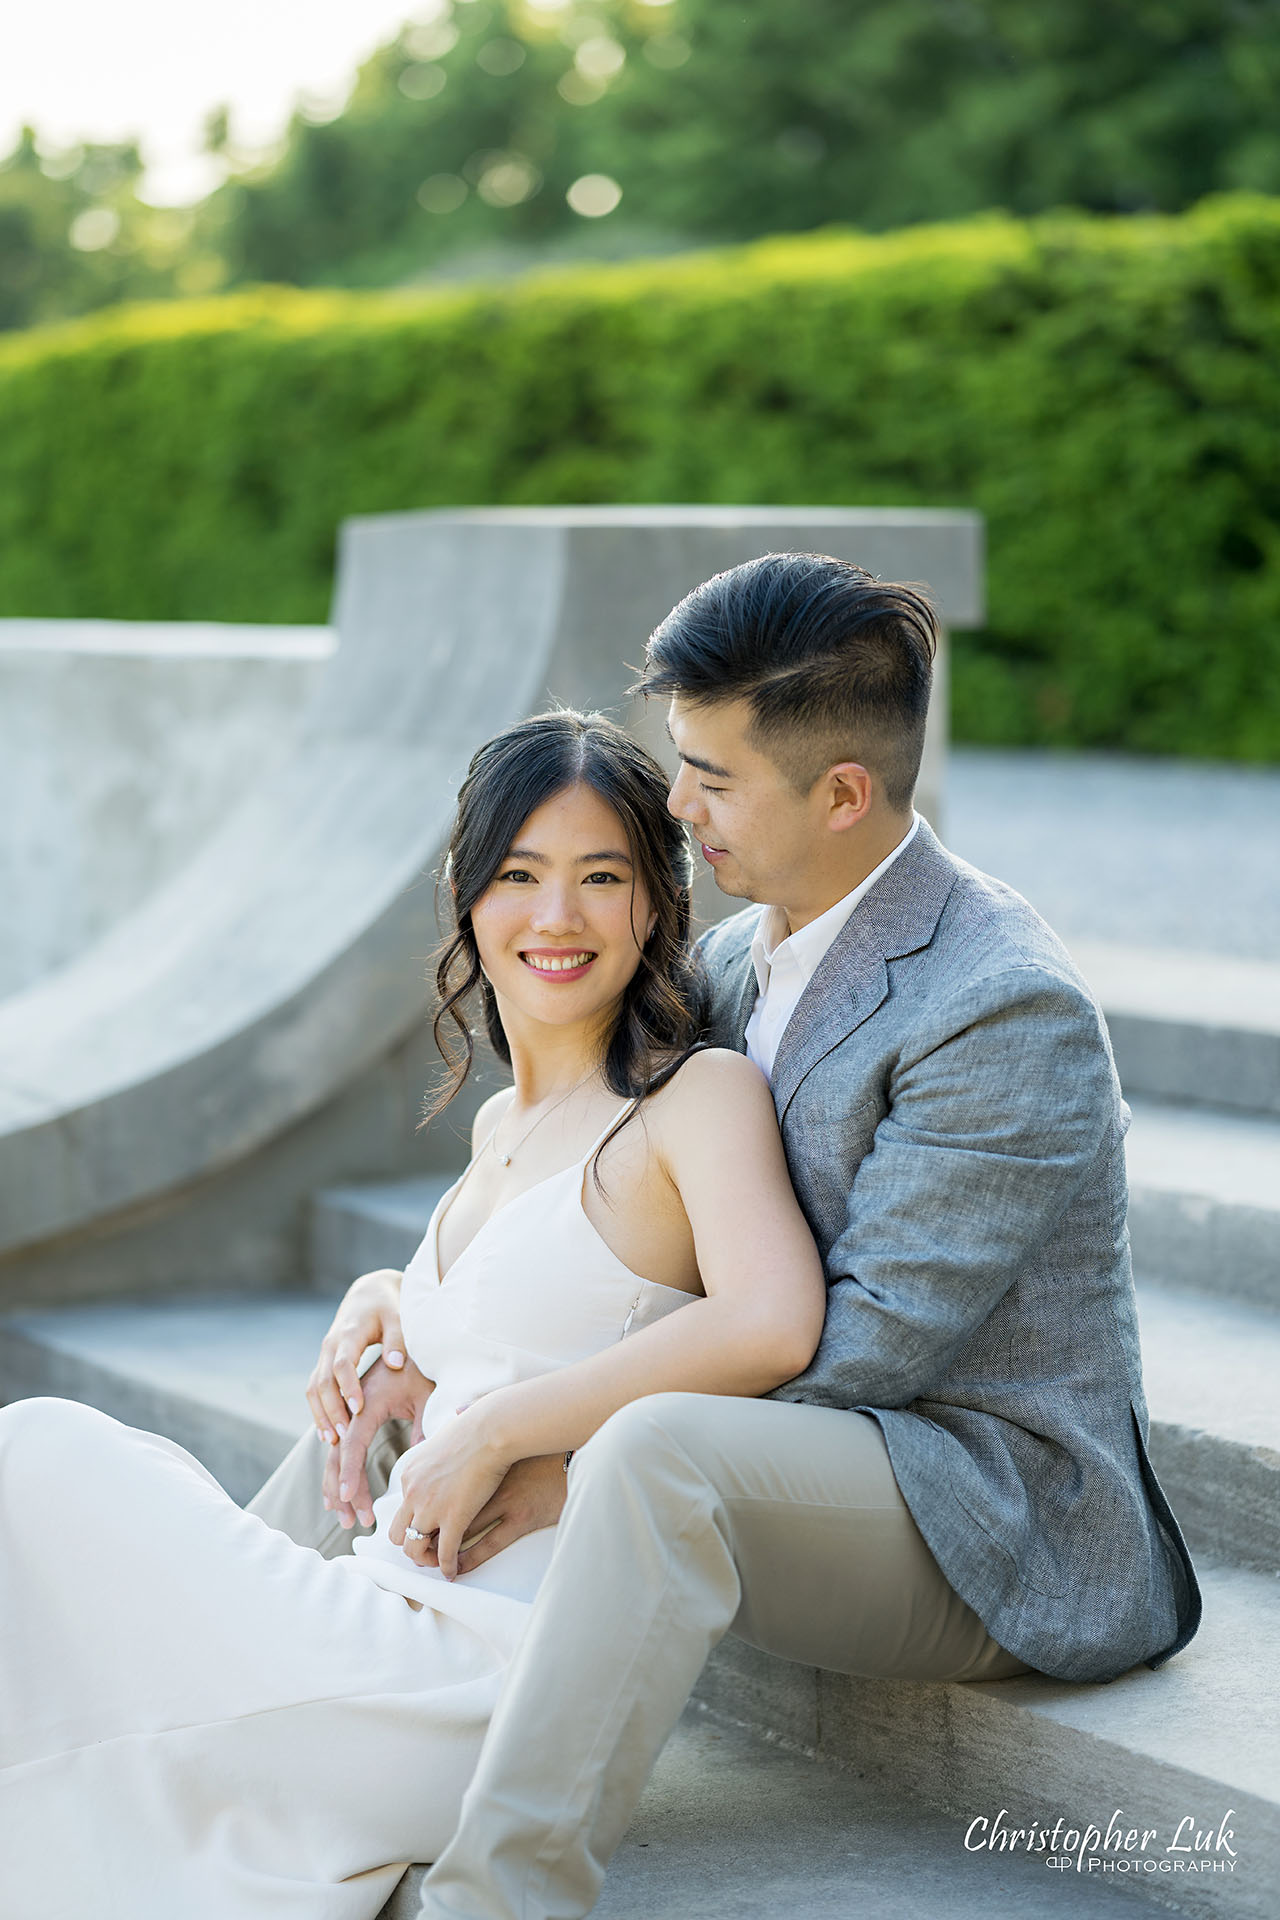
(114, 69)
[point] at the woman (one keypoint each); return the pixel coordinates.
(199, 1716)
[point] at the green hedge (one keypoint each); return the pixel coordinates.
(1107, 392)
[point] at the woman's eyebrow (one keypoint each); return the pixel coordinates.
(583, 860)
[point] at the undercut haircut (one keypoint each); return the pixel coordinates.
(834, 664)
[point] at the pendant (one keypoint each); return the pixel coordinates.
(504, 1159)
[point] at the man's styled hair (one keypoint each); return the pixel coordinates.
(833, 663)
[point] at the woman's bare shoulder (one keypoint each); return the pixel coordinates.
(714, 1081)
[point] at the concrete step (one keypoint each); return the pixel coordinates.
(1197, 1027)
(376, 1224)
(1211, 1368)
(1198, 1739)
(733, 1826)
(1204, 1199)
(224, 1377)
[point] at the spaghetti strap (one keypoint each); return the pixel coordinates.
(600, 1139)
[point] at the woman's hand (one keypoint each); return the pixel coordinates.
(368, 1316)
(401, 1395)
(530, 1496)
(446, 1480)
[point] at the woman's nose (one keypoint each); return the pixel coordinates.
(557, 911)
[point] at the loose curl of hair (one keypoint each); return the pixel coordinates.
(662, 1013)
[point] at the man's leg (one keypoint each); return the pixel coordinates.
(687, 1514)
(292, 1500)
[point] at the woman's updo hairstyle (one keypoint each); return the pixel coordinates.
(662, 1010)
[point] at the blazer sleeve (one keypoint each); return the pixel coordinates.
(996, 1111)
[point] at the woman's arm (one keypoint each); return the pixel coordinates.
(757, 1326)
(761, 1319)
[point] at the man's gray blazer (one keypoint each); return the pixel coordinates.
(954, 1129)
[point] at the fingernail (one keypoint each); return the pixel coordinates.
(331, 1437)
(366, 1519)
(394, 1358)
(342, 1430)
(353, 1405)
(344, 1491)
(328, 1504)
(346, 1519)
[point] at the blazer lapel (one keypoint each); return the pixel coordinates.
(850, 983)
(733, 983)
(898, 916)
(748, 990)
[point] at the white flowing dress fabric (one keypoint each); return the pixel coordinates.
(198, 1717)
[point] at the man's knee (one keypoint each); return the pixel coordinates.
(643, 1440)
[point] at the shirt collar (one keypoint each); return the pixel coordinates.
(772, 943)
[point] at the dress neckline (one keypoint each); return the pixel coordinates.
(574, 1166)
(577, 1167)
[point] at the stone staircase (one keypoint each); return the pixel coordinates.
(1198, 1740)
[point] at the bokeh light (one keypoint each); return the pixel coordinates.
(442, 193)
(423, 82)
(500, 57)
(94, 229)
(594, 195)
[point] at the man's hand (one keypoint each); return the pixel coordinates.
(368, 1316)
(401, 1395)
(530, 1495)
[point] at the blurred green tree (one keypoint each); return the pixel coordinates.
(74, 235)
(489, 133)
(457, 135)
(721, 121)
(887, 112)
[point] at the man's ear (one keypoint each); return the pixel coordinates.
(849, 793)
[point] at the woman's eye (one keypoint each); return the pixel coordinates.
(611, 877)
(516, 873)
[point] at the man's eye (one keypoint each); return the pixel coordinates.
(704, 788)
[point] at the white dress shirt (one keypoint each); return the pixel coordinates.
(786, 962)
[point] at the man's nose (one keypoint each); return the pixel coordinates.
(683, 801)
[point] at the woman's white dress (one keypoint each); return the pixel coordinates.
(200, 1720)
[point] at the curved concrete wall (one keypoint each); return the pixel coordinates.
(287, 959)
(122, 747)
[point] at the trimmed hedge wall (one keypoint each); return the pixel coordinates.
(1107, 392)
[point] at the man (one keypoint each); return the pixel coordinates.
(957, 1486)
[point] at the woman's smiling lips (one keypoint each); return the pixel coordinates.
(558, 963)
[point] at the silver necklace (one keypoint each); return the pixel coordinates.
(505, 1159)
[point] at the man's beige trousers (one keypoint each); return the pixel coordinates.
(688, 1515)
